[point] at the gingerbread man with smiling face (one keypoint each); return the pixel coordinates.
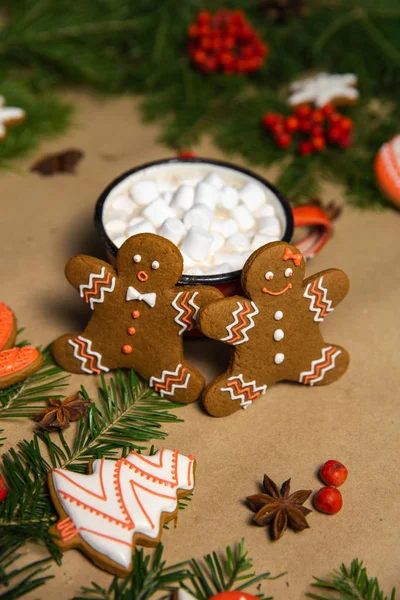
(274, 331)
(139, 316)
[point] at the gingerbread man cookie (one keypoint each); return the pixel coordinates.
(139, 316)
(274, 330)
(119, 504)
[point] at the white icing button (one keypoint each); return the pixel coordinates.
(278, 315)
(279, 358)
(278, 335)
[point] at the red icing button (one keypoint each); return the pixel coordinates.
(127, 348)
(131, 330)
(135, 314)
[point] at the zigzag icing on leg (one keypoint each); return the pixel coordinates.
(314, 363)
(324, 370)
(246, 392)
(320, 366)
(238, 335)
(79, 353)
(165, 384)
(319, 303)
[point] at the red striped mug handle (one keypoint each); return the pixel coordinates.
(320, 229)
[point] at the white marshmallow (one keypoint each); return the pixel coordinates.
(270, 226)
(118, 241)
(134, 221)
(144, 192)
(243, 217)
(115, 226)
(206, 194)
(245, 255)
(197, 243)
(215, 180)
(200, 216)
(173, 229)
(266, 210)
(260, 240)
(122, 205)
(217, 243)
(238, 242)
(183, 199)
(142, 227)
(187, 261)
(225, 227)
(168, 197)
(252, 195)
(228, 197)
(194, 271)
(234, 259)
(217, 269)
(157, 212)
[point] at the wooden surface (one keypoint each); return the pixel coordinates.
(288, 433)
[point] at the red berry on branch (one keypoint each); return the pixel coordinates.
(333, 473)
(3, 489)
(270, 119)
(346, 124)
(317, 116)
(206, 43)
(345, 140)
(335, 118)
(318, 143)
(292, 124)
(305, 148)
(203, 17)
(328, 109)
(317, 131)
(303, 111)
(193, 31)
(306, 126)
(328, 500)
(334, 134)
(283, 140)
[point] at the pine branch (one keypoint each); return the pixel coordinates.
(28, 577)
(31, 395)
(351, 584)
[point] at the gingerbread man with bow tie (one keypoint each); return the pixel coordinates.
(139, 317)
(274, 330)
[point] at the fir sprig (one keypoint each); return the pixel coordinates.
(351, 584)
(28, 397)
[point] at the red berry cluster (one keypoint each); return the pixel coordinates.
(225, 41)
(313, 129)
(329, 499)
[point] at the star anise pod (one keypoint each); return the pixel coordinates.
(280, 508)
(61, 412)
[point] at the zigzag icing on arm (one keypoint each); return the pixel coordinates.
(89, 285)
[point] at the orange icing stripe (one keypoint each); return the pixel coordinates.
(81, 487)
(320, 303)
(240, 326)
(243, 390)
(320, 366)
(94, 510)
(170, 380)
(67, 529)
(88, 356)
(189, 475)
(174, 473)
(108, 537)
(187, 318)
(118, 492)
(98, 283)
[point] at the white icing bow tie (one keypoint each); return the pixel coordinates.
(133, 294)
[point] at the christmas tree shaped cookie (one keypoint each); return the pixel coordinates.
(274, 330)
(139, 316)
(119, 504)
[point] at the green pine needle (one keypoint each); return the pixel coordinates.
(28, 577)
(351, 584)
(30, 396)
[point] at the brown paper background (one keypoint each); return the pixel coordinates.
(288, 433)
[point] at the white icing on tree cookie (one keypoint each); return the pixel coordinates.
(323, 89)
(9, 115)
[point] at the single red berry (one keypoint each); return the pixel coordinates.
(333, 473)
(292, 124)
(247, 51)
(346, 139)
(305, 148)
(334, 134)
(277, 129)
(186, 154)
(328, 500)
(211, 64)
(203, 17)
(306, 125)
(3, 489)
(317, 116)
(204, 30)
(328, 109)
(317, 131)
(228, 42)
(270, 119)
(283, 140)
(303, 111)
(335, 118)
(193, 31)
(206, 43)
(346, 124)
(318, 143)
(200, 57)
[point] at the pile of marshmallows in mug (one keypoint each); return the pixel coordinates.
(215, 225)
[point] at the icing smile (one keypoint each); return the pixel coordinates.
(285, 289)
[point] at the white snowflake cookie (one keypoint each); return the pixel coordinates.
(324, 88)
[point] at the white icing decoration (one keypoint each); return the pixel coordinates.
(288, 272)
(243, 332)
(164, 381)
(93, 277)
(181, 311)
(155, 264)
(137, 258)
(324, 88)
(318, 308)
(278, 315)
(249, 386)
(129, 495)
(88, 350)
(269, 275)
(279, 358)
(133, 294)
(278, 335)
(320, 361)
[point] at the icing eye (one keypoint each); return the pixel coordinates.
(288, 272)
(269, 275)
(155, 264)
(137, 258)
